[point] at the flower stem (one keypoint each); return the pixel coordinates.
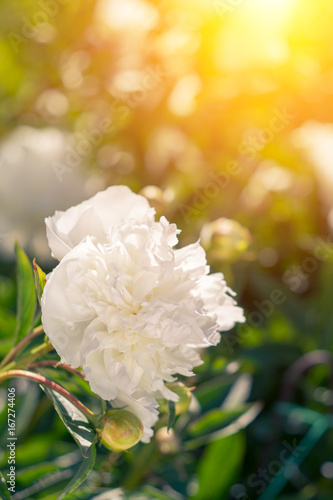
(56, 364)
(49, 383)
(13, 353)
(34, 354)
(140, 468)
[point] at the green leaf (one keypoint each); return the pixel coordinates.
(7, 323)
(41, 470)
(40, 280)
(219, 467)
(239, 392)
(76, 422)
(26, 297)
(172, 414)
(82, 474)
(233, 428)
(213, 392)
(216, 419)
(34, 449)
(4, 493)
(31, 474)
(7, 331)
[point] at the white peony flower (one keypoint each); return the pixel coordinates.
(128, 307)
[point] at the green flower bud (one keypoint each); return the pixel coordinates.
(184, 400)
(225, 239)
(121, 430)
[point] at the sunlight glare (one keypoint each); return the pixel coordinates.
(127, 14)
(276, 10)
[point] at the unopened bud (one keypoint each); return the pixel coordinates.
(184, 400)
(225, 239)
(167, 441)
(121, 430)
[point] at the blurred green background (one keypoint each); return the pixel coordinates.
(220, 112)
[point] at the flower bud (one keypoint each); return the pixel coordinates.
(184, 400)
(121, 430)
(225, 239)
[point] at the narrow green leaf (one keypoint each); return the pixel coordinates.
(212, 393)
(34, 448)
(172, 414)
(26, 297)
(47, 480)
(4, 493)
(215, 420)
(76, 422)
(240, 423)
(40, 280)
(219, 467)
(239, 392)
(82, 474)
(29, 475)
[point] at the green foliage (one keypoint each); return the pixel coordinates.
(82, 473)
(171, 414)
(216, 419)
(75, 421)
(219, 467)
(26, 295)
(7, 330)
(40, 280)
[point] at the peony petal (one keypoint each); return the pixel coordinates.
(97, 375)
(95, 217)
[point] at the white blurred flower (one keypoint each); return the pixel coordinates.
(30, 189)
(117, 494)
(128, 307)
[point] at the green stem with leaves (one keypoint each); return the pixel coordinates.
(18, 348)
(53, 385)
(34, 354)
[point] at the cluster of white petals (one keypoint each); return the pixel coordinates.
(126, 306)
